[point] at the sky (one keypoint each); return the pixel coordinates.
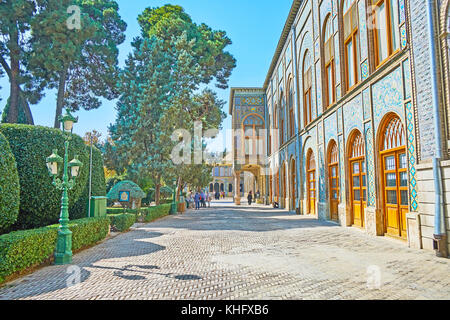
(254, 26)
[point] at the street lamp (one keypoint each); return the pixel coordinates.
(63, 253)
(173, 208)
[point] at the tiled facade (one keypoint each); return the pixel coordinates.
(398, 88)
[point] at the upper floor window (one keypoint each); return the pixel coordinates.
(307, 88)
(329, 62)
(351, 42)
(253, 140)
(386, 32)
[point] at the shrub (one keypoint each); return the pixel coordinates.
(153, 213)
(21, 250)
(40, 201)
(80, 208)
(9, 186)
(122, 222)
(116, 211)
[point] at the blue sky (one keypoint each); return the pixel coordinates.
(254, 26)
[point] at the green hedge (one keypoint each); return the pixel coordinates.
(121, 211)
(9, 186)
(40, 202)
(80, 208)
(153, 213)
(21, 250)
(122, 222)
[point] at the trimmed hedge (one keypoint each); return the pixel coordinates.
(9, 186)
(80, 208)
(153, 213)
(21, 250)
(122, 222)
(40, 201)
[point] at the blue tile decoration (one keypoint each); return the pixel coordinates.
(320, 132)
(252, 101)
(330, 128)
(412, 157)
(387, 96)
(365, 69)
(317, 50)
(370, 159)
(407, 79)
(337, 61)
(367, 104)
(403, 36)
(319, 89)
(402, 11)
(363, 29)
(339, 119)
(353, 115)
(325, 9)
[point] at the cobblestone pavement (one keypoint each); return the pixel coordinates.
(229, 252)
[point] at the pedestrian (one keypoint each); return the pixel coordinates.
(250, 198)
(209, 198)
(258, 195)
(197, 201)
(203, 199)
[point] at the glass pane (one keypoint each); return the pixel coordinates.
(391, 180)
(381, 32)
(351, 67)
(355, 167)
(356, 182)
(403, 161)
(390, 163)
(403, 179)
(394, 25)
(357, 195)
(391, 196)
(404, 196)
(364, 183)
(364, 195)
(363, 166)
(333, 183)
(335, 195)
(330, 84)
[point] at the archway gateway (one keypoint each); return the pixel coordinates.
(311, 183)
(333, 176)
(394, 164)
(358, 182)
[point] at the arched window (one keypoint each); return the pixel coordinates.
(329, 62)
(311, 182)
(358, 182)
(291, 110)
(307, 88)
(351, 42)
(253, 141)
(333, 176)
(386, 32)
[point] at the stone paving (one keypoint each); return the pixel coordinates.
(229, 252)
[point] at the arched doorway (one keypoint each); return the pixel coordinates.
(216, 187)
(394, 178)
(222, 187)
(333, 178)
(211, 188)
(358, 182)
(311, 182)
(293, 184)
(283, 186)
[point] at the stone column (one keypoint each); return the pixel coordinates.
(237, 189)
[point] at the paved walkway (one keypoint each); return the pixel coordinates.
(229, 252)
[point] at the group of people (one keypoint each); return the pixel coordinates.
(199, 200)
(250, 197)
(219, 195)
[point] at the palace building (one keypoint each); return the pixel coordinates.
(352, 122)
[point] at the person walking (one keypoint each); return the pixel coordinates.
(197, 201)
(203, 199)
(209, 198)
(250, 198)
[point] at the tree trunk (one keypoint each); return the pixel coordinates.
(179, 188)
(157, 194)
(60, 98)
(13, 114)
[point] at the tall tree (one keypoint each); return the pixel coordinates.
(15, 24)
(81, 63)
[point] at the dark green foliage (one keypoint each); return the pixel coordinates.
(21, 250)
(80, 208)
(116, 211)
(135, 190)
(9, 186)
(122, 222)
(40, 201)
(154, 213)
(22, 116)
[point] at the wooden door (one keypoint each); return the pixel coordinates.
(358, 182)
(311, 175)
(333, 175)
(395, 179)
(293, 184)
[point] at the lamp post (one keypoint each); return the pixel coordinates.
(173, 208)
(63, 253)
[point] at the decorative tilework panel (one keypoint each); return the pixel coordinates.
(370, 158)
(353, 115)
(412, 157)
(317, 50)
(339, 119)
(337, 61)
(365, 69)
(335, 6)
(325, 9)
(320, 132)
(387, 95)
(402, 11)
(330, 128)
(403, 36)
(407, 79)
(338, 91)
(316, 19)
(252, 101)
(363, 29)
(367, 104)
(319, 88)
